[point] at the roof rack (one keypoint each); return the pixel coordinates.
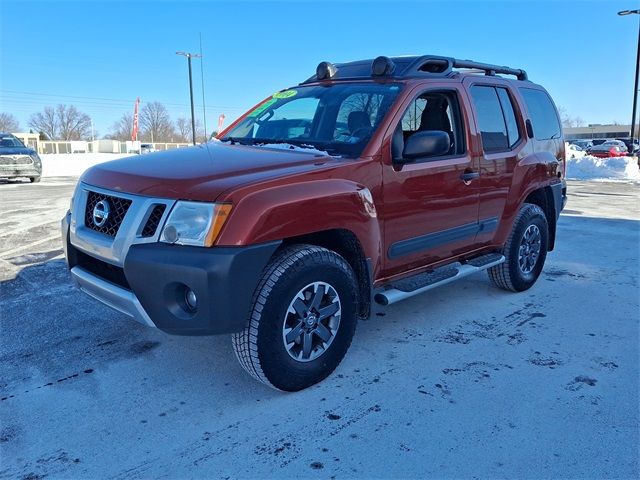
(490, 69)
(445, 65)
(412, 66)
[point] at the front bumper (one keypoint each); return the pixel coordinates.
(13, 171)
(152, 285)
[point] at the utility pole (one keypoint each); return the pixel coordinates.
(635, 85)
(193, 118)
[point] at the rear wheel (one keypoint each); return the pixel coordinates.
(303, 319)
(525, 251)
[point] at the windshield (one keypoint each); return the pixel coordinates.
(338, 119)
(8, 141)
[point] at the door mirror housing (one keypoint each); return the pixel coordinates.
(426, 143)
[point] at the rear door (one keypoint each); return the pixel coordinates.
(430, 212)
(501, 145)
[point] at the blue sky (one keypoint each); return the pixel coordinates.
(100, 56)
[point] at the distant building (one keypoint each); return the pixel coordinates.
(597, 131)
(29, 139)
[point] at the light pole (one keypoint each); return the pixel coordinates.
(635, 86)
(193, 118)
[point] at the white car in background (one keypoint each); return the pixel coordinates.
(573, 151)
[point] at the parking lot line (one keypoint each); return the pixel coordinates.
(6, 253)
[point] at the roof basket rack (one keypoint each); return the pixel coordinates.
(411, 66)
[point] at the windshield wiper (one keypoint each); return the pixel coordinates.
(240, 140)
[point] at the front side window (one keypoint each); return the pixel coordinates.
(432, 110)
(543, 114)
(339, 119)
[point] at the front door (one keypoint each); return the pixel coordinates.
(431, 204)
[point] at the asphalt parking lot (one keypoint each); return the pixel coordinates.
(464, 381)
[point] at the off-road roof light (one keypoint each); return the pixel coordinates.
(325, 70)
(382, 66)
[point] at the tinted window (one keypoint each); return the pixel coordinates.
(490, 119)
(432, 111)
(339, 119)
(10, 141)
(543, 114)
(509, 116)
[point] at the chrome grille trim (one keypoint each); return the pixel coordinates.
(114, 249)
(15, 160)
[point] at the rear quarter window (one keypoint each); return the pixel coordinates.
(543, 114)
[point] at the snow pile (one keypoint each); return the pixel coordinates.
(73, 164)
(593, 168)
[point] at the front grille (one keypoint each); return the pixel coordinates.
(117, 210)
(104, 270)
(151, 226)
(16, 160)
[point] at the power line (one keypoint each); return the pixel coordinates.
(115, 100)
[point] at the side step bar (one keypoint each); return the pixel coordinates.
(408, 287)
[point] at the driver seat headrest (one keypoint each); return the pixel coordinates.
(358, 119)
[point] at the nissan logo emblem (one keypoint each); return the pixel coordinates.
(101, 213)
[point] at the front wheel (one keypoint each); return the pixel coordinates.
(34, 179)
(302, 321)
(525, 251)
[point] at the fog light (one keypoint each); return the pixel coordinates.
(191, 300)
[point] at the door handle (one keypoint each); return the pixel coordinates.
(468, 177)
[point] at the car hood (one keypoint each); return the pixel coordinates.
(202, 172)
(17, 151)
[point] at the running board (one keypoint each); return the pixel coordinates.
(408, 287)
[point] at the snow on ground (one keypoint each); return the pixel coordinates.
(465, 381)
(593, 168)
(74, 164)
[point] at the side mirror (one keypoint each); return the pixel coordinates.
(427, 143)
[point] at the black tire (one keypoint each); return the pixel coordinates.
(510, 275)
(260, 347)
(34, 179)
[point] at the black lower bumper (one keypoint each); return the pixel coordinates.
(159, 276)
(223, 279)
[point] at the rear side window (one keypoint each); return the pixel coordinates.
(509, 116)
(543, 114)
(491, 123)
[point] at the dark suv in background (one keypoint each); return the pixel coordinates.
(17, 160)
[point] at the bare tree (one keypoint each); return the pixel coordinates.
(123, 128)
(155, 123)
(72, 123)
(183, 130)
(65, 122)
(45, 122)
(8, 123)
(569, 121)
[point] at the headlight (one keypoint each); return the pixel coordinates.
(36, 159)
(195, 223)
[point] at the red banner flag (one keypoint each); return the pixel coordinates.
(220, 122)
(134, 134)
